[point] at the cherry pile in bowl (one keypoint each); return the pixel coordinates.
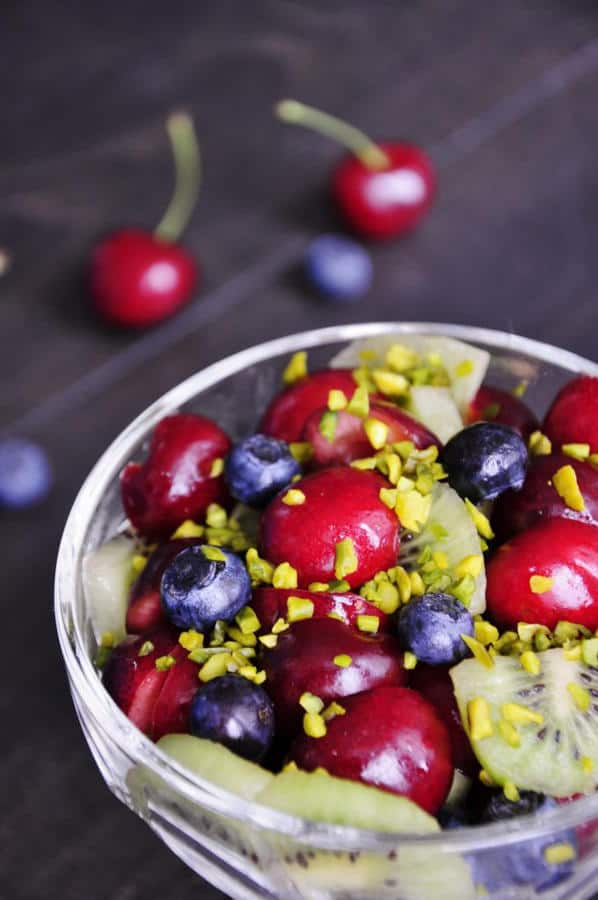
(393, 581)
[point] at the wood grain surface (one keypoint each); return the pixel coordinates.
(504, 98)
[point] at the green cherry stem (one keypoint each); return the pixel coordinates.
(295, 113)
(187, 167)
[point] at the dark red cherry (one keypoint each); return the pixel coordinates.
(389, 737)
(171, 711)
(538, 499)
(174, 483)
(270, 604)
(565, 554)
(350, 440)
(145, 609)
(434, 683)
(381, 190)
(387, 201)
(287, 413)
(304, 660)
(491, 404)
(573, 416)
(340, 503)
(138, 277)
(131, 677)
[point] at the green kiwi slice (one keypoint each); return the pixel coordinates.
(450, 530)
(435, 408)
(217, 764)
(539, 732)
(107, 575)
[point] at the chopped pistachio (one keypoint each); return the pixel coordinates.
(413, 509)
(217, 467)
(314, 725)
(359, 404)
(530, 661)
(480, 521)
(409, 660)
(138, 564)
(216, 516)
(478, 715)
(302, 451)
(342, 660)
(269, 640)
(557, 854)
(146, 648)
(518, 714)
(589, 651)
(294, 497)
(336, 400)
(296, 368)
(345, 558)
(400, 358)
(163, 663)
(581, 696)
(565, 483)
(214, 667)
(318, 587)
(284, 576)
(388, 496)
(311, 703)
(510, 791)
(279, 626)
(392, 384)
(469, 565)
(539, 444)
(485, 632)
(247, 620)
(577, 451)
(333, 709)
(213, 553)
(368, 624)
(376, 431)
(465, 367)
(260, 570)
(191, 640)
(299, 608)
(540, 584)
(520, 389)
(260, 677)
(479, 651)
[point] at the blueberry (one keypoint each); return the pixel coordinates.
(340, 269)
(258, 467)
(25, 474)
(431, 627)
(235, 712)
(524, 863)
(484, 460)
(203, 584)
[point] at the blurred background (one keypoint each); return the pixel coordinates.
(502, 98)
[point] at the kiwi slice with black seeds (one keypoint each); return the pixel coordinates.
(537, 732)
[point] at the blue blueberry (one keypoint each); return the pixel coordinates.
(523, 863)
(431, 626)
(339, 268)
(484, 460)
(203, 584)
(25, 473)
(258, 467)
(235, 712)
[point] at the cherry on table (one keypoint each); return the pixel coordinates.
(138, 277)
(381, 189)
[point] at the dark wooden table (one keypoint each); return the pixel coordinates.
(504, 98)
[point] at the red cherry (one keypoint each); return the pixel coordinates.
(145, 609)
(382, 190)
(387, 201)
(303, 660)
(287, 413)
(137, 278)
(573, 416)
(434, 683)
(561, 550)
(538, 500)
(133, 681)
(340, 503)
(491, 404)
(350, 440)
(389, 737)
(270, 604)
(174, 483)
(171, 710)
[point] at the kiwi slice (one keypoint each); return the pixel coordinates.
(414, 873)
(106, 580)
(465, 365)
(450, 531)
(539, 732)
(435, 408)
(217, 764)
(325, 798)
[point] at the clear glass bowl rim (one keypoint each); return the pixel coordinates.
(138, 748)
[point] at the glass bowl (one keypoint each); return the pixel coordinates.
(246, 850)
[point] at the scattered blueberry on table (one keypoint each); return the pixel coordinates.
(338, 267)
(25, 473)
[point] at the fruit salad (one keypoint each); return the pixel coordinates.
(380, 608)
